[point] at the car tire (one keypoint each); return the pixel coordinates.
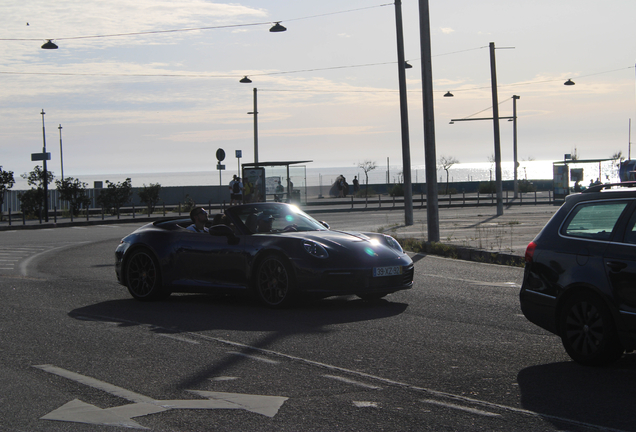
(274, 281)
(143, 276)
(588, 331)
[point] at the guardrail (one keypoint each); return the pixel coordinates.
(314, 206)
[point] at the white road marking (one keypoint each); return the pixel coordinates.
(475, 282)
(363, 404)
(253, 357)
(461, 408)
(223, 378)
(177, 337)
(82, 412)
(435, 393)
(25, 264)
(354, 382)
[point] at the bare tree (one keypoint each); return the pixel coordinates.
(446, 162)
(367, 166)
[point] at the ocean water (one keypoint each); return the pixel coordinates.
(325, 176)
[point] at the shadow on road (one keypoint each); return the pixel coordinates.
(595, 396)
(201, 312)
(198, 313)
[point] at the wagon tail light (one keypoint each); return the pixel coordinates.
(530, 251)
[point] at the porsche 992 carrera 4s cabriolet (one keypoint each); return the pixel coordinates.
(273, 250)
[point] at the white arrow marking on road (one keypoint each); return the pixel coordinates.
(82, 412)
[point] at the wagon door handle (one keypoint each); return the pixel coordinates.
(616, 265)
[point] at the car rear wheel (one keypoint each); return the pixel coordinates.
(588, 332)
(275, 282)
(143, 277)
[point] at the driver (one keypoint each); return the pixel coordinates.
(199, 216)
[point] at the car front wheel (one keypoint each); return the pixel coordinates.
(588, 332)
(274, 282)
(143, 277)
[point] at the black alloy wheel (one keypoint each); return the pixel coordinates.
(274, 282)
(588, 332)
(143, 277)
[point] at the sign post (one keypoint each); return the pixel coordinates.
(239, 155)
(220, 156)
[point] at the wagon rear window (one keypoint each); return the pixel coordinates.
(594, 220)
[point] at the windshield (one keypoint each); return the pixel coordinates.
(275, 218)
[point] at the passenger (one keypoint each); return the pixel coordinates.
(264, 223)
(222, 219)
(199, 218)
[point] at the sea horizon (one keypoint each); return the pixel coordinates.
(325, 176)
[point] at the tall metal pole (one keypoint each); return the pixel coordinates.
(432, 206)
(495, 121)
(404, 115)
(255, 128)
(514, 141)
(61, 155)
(45, 174)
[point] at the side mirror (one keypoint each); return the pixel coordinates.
(325, 224)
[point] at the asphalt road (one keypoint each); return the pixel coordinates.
(453, 353)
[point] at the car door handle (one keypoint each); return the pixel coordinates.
(616, 265)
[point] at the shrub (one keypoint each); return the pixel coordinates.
(115, 196)
(149, 195)
(487, 187)
(397, 190)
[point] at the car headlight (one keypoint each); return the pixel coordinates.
(393, 243)
(315, 249)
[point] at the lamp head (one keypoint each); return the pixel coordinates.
(49, 45)
(277, 28)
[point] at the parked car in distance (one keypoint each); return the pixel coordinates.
(273, 250)
(580, 274)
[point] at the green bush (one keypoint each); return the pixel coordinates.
(363, 192)
(397, 190)
(487, 187)
(526, 186)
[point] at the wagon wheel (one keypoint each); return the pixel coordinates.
(588, 332)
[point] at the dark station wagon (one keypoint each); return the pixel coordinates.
(580, 275)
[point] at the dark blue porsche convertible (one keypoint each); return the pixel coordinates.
(273, 250)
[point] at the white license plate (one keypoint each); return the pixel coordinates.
(387, 271)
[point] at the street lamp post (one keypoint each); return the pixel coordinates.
(514, 142)
(255, 113)
(45, 174)
(404, 115)
(514, 137)
(495, 115)
(432, 206)
(61, 155)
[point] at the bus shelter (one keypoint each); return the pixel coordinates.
(575, 175)
(283, 181)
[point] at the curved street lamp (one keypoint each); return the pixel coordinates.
(49, 45)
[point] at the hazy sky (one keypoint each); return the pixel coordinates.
(327, 87)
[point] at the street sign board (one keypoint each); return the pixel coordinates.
(220, 154)
(40, 156)
(220, 167)
(239, 154)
